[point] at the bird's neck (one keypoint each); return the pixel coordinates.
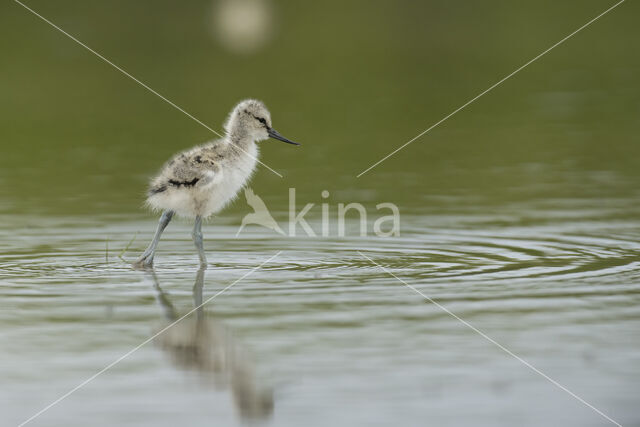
(241, 138)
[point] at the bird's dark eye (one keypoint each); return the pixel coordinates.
(260, 119)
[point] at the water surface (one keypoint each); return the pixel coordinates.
(520, 215)
(320, 333)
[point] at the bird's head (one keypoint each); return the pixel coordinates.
(251, 118)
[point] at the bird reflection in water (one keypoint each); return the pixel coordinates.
(205, 345)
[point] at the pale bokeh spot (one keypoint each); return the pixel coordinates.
(242, 26)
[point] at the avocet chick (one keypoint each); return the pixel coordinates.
(199, 182)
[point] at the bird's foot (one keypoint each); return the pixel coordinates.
(145, 262)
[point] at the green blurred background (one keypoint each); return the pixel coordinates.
(350, 80)
(520, 213)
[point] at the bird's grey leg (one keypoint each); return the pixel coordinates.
(146, 259)
(197, 240)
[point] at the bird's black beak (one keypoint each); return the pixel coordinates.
(275, 135)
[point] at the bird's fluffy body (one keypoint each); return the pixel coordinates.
(204, 179)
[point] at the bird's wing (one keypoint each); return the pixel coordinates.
(183, 171)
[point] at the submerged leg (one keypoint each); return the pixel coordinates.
(197, 240)
(197, 292)
(146, 259)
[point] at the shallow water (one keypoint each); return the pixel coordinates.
(520, 215)
(321, 335)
